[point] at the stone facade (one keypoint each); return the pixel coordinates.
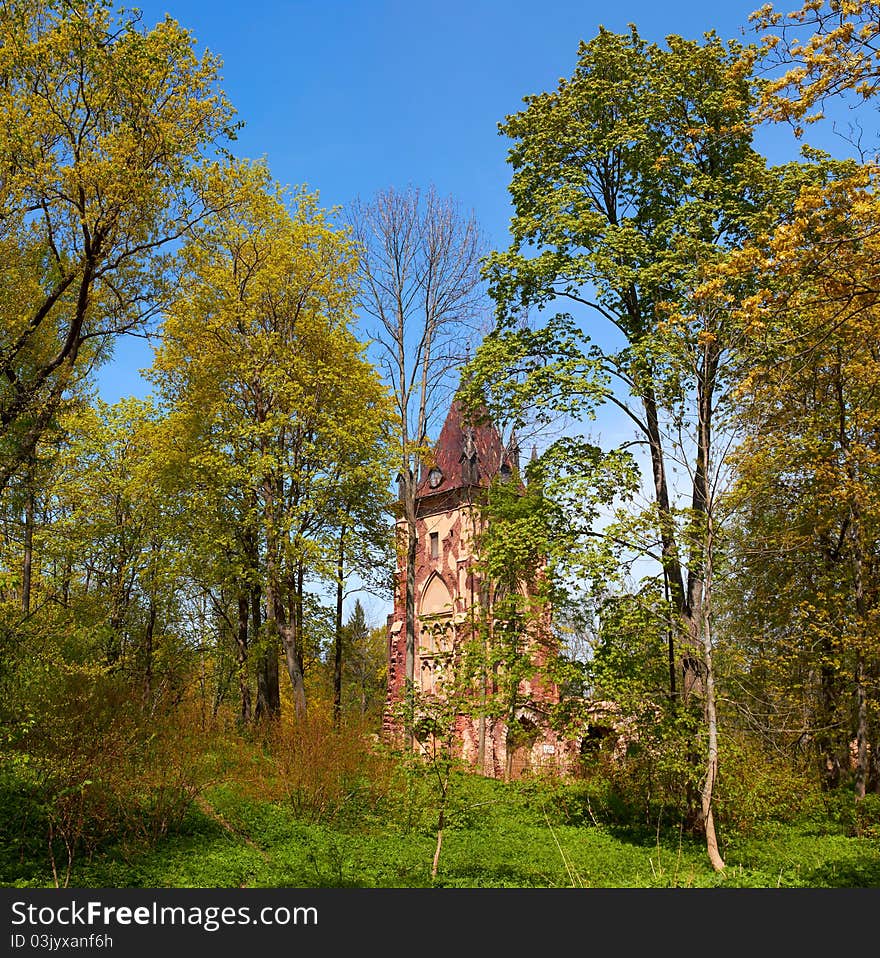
(466, 458)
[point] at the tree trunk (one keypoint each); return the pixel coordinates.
(671, 560)
(290, 627)
(670, 645)
(715, 858)
(861, 695)
(27, 571)
(410, 611)
(861, 732)
(708, 817)
(702, 570)
(861, 602)
(294, 668)
(242, 657)
(284, 623)
(148, 651)
(874, 769)
(337, 646)
(268, 690)
(829, 701)
(435, 865)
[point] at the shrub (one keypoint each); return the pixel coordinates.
(653, 775)
(756, 787)
(86, 763)
(322, 771)
(859, 819)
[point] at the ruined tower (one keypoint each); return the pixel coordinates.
(451, 601)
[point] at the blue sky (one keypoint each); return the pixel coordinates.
(351, 97)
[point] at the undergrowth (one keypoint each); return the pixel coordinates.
(311, 807)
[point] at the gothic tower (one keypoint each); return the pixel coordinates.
(450, 599)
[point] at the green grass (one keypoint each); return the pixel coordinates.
(533, 835)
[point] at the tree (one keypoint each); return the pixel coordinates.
(108, 554)
(532, 529)
(213, 515)
(632, 183)
(420, 288)
(826, 50)
(365, 547)
(363, 665)
(807, 487)
(102, 126)
(270, 388)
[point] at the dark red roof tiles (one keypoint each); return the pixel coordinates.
(466, 453)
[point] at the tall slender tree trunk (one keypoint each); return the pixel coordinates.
(241, 641)
(862, 769)
(711, 771)
(337, 645)
(691, 601)
(268, 689)
(421, 284)
(874, 768)
(299, 646)
(670, 645)
(669, 552)
(829, 702)
(700, 598)
(285, 623)
(441, 824)
(861, 694)
(410, 611)
(290, 627)
(148, 651)
(287, 633)
(27, 571)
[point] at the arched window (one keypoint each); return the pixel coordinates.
(436, 599)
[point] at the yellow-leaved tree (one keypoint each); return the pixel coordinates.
(809, 467)
(275, 419)
(102, 124)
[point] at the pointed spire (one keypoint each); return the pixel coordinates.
(513, 452)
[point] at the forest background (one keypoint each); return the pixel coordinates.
(196, 561)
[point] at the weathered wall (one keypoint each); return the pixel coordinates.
(465, 459)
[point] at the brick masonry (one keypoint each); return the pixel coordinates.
(466, 458)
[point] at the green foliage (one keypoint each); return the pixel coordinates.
(633, 183)
(757, 788)
(85, 764)
(627, 177)
(276, 425)
(536, 833)
(524, 375)
(364, 667)
(104, 124)
(152, 557)
(858, 818)
(629, 661)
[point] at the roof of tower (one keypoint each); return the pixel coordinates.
(468, 452)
